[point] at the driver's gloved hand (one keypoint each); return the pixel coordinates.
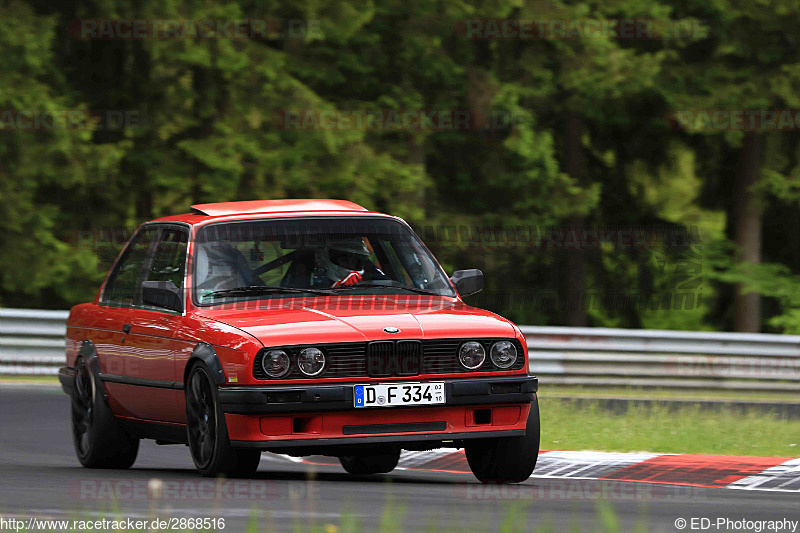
(351, 279)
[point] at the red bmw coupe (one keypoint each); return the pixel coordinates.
(298, 327)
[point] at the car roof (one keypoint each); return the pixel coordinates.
(274, 206)
(202, 213)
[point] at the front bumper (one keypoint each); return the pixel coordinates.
(323, 417)
(316, 398)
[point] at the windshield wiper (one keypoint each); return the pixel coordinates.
(381, 286)
(264, 289)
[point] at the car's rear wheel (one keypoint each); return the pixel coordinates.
(506, 459)
(99, 440)
(207, 433)
(381, 462)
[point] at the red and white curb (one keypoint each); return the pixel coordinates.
(781, 474)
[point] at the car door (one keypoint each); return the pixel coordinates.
(110, 320)
(150, 345)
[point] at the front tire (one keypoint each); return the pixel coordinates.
(506, 459)
(207, 433)
(99, 440)
(374, 463)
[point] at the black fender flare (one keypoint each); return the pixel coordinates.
(88, 353)
(206, 353)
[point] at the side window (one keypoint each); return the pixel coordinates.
(169, 259)
(123, 283)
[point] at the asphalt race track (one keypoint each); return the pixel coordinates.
(42, 478)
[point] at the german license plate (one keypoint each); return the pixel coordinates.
(395, 394)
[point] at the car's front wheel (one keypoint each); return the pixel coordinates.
(506, 459)
(100, 442)
(377, 462)
(207, 433)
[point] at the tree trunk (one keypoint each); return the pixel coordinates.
(747, 222)
(574, 292)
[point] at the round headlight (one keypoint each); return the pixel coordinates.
(503, 354)
(275, 363)
(471, 355)
(311, 361)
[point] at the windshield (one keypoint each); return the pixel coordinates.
(316, 256)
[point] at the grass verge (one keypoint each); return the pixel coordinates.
(568, 426)
(668, 394)
(43, 380)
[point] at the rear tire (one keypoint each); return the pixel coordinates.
(99, 440)
(207, 433)
(506, 459)
(367, 464)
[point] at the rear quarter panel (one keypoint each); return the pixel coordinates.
(82, 320)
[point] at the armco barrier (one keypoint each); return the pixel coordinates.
(664, 359)
(32, 342)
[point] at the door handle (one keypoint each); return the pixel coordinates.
(126, 328)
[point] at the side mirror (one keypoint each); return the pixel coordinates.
(162, 294)
(467, 281)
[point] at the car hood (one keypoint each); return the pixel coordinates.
(324, 320)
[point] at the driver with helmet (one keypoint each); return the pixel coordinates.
(342, 262)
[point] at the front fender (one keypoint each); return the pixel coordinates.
(206, 353)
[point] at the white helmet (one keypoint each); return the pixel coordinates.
(336, 259)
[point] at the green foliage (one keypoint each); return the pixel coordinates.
(213, 129)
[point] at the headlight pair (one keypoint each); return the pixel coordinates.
(277, 363)
(472, 354)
